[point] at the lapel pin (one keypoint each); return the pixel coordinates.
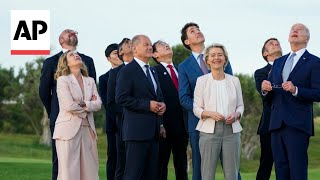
(165, 73)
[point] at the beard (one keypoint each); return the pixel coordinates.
(72, 41)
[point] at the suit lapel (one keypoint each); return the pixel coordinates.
(282, 62)
(194, 65)
(300, 62)
(86, 88)
(166, 75)
(76, 85)
(142, 77)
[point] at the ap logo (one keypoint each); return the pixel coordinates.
(30, 32)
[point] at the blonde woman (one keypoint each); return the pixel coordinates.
(219, 105)
(75, 132)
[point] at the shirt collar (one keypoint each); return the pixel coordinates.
(141, 63)
(196, 55)
(65, 50)
(166, 64)
(299, 53)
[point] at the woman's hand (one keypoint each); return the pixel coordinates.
(93, 98)
(216, 116)
(232, 117)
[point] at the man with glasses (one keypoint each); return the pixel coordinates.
(125, 54)
(176, 139)
(291, 120)
(68, 40)
(271, 50)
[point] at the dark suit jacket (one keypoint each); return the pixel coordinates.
(297, 111)
(48, 85)
(173, 117)
(189, 71)
(103, 89)
(133, 93)
(259, 76)
(111, 94)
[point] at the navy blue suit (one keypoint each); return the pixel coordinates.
(266, 158)
(189, 71)
(48, 95)
(117, 110)
(173, 121)
(140, 125)
(291, 122)
(110, 127)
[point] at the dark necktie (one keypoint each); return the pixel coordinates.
(149, 76)
(173, 77)
(203, 65)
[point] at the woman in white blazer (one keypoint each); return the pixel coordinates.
(219, 105)
(75, 132)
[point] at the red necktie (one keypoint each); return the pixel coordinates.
(173, 77)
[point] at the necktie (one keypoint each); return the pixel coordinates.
(173, 76)
(149, 76)
(202, 65)
(287, 67)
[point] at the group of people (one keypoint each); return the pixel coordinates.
(152, 112)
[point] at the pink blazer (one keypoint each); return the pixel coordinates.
(71, 114)
(205, 100)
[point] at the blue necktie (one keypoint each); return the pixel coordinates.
(287, 67)
(149, 76)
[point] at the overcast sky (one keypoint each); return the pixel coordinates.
(242, 26)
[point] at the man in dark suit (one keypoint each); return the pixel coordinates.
(112, 57)
(271, 50)
(189, 70)
(293, 86)
(47, 89)
(138, 92)
(176, 139)
(125, 54)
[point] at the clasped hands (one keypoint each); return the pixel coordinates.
(83, 104)
(157, 107)
(228, 120)
(266, 86)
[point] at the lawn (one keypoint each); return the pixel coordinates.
(22, 158)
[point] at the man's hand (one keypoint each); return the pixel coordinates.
(232, 117)
(162, 108)
(154, 106)
(163, 132)
(266, 86)
(288, 86)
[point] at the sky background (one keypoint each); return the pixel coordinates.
(242, 26)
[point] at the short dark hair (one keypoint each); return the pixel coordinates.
(124, 40)
(264, 47)
(184, 35)
(154, 49)
(110, 48)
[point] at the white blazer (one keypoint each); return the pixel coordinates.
(71, 113)
(205, 100)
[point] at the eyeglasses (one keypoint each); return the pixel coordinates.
(274, 86)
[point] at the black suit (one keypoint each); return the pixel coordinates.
(140, 125)
(266, 158)
(110, 127)
(117, 110)
(48, 95)
(173, 121)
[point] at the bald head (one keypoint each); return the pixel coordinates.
(68, 38)
(299, 36)
(141, 47)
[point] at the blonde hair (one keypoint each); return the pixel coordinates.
(216, 45)
(63, 68)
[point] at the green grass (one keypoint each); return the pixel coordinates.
(23, 158)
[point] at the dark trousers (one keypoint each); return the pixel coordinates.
(121, 157)
(54, 155)
(178, 146)
(112, 156)
(142, 160)
(290, 153)
(196, 159)
(266, 158)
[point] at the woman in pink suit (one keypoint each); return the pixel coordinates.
(75, 132)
